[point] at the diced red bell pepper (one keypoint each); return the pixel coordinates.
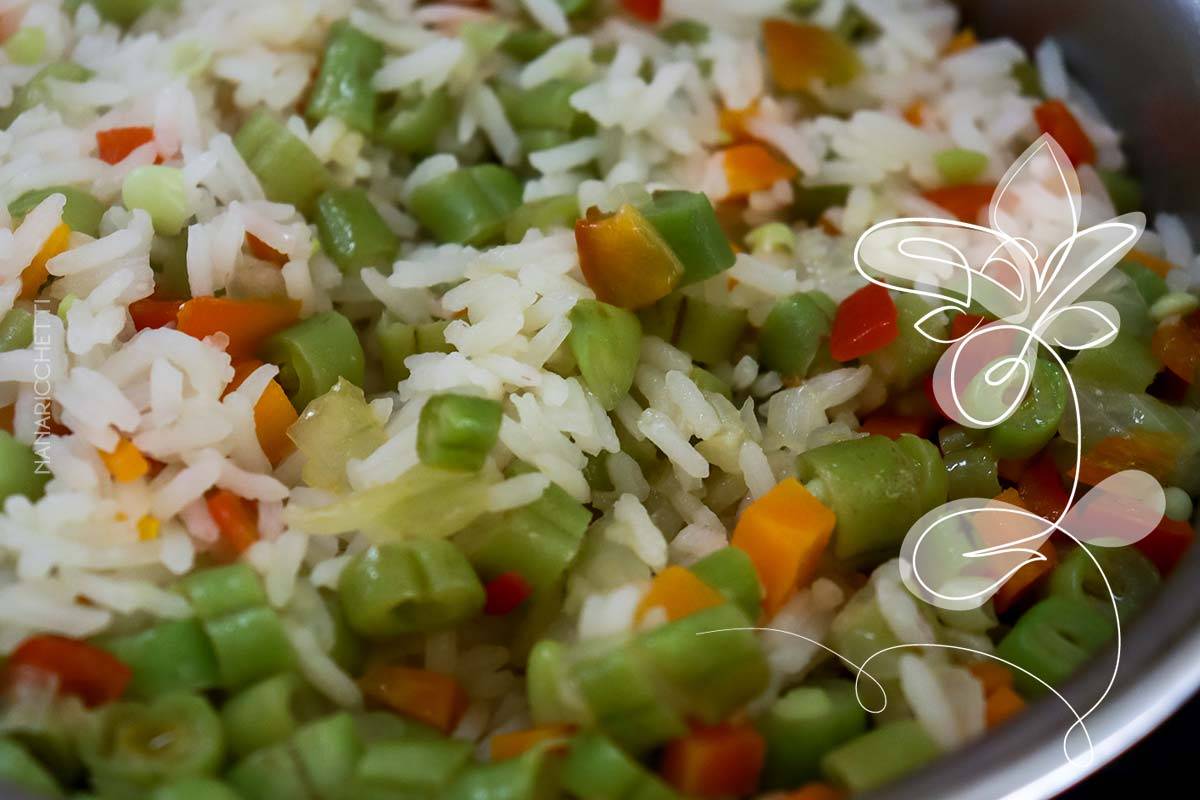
(116, 144)
(964, 202)
(894, 426)
(962, 324)
(1166, 544)
(865, 322)
(260, 249)
(505, 593)
(247, 322)
(718, 761)
(1053, 117)
(154, 312)
(1042, 489)
(645, 10)
(87, 672)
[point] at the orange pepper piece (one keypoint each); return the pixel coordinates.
(914, 113)
(1001, 705)
(720, 761)
(35, 275)
(1177, 345)
(1024, 579)
(274, 414)
(733, 121)
(426, 696)
(800, 55)
(624, 259)
(1150, 451)
(679, 592)
(991, 675)
(1053, 117)
(964, 202)
(514, 743)
(784, 532)
(247, 322)
(751, 168)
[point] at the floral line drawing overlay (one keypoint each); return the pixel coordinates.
(1027, 270)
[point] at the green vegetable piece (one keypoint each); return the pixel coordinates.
(272, 773)
(911, 355)
(195, 789)
(352, 232)
(168, 258)
(135, 747)
(709, 332)
(18, 768)
(731, 572)
(606, 342)
(412, 126)
(685, 31)
(162, 193)
(313, 354)
(412, 767)
(1034, 423)
(972, 472)
(596, 768)
(21, 470)
(16, 330)
(877, 488)
(1125, 363)
(412, 586)
(792, 333)
(343, 85)
(688, 224)
(804, 725)
(1028, 79)
(528, 44)
(1133, 578)
(218, 591)
(38, 91)
(546, 106)
(1149, 283)
(394, 342)
(535, 139)
(812, 201)
(384, 726)
(546, 214)
(468, 206)
(530, 776)
(624, 701)
(1124, 190)
(458, 431)
(546, 681)
(958, 165)
(710, 383)
(127, 12)
(1053, 639)
(81, 213)
(285, 166)
(171, 656)
(26, 46)
(328, 751)
(336, 427)
(267, 713)
(249, 645)
(881, 756)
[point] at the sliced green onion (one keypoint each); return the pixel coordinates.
(458, 431)
(545, 214)
(467, 206)
(412, 126)
(313, 354)
(959, 165)
(688, 224)
(173, 656)
(343, 85)
(162, 193)
(249, 645)
(352, 232)
(406, 587)
(285, 166)
(606, 343)
(21, 470)
(878, 757)
(26, 46)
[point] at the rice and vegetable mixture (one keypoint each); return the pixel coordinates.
(393, 394)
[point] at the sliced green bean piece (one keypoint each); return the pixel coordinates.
(18, 768)
(624, 700)
(1124, 190)
(285, 166)
(412, 126)
(195, 789)
(530, 776)
(352, 232)
(250, 645)
(21, 470)
(792, 333)
(343, 85)
(1124, 363)
(1053, 639)
(173, 656)
(606, 343)
(959, 165)
(546, 214)
(526, 45)
(272, 773)
(878, 757)
(1133, 578)
(267, 713)
(709, 333)
(16, 330)
(813, 201)
(685, 31)
(81, 213)
(731, 572)
(911, 355)
(458, 431)
(468, 206)
(217, 591)
(546, 106)
(413, 767)
(804, 725)
(598, 769)
(1149, 283)
(688, 224)
(1036, 419)
(313, 354)
(39, 89)
(328, 750)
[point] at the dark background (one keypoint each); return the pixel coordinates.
(1164, 757)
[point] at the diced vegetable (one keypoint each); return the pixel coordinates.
(26, 46)
(352, 232)
(506, 593)
(687, 223)
(812, 202)
(1053, 639)
(731, 572)
(285, 166)
(678, 592)
(959, 165)
(429, 697)
(16, 330)
(880, 756)
(965, 202)
(468, 206)
(173, 656)
(152, 312)
(410, 586)
(266, 713)
(458, 431)
(312, 355)
(236, 520)
(412, 125)
(514, 743)
(545, 214)
(532, 775)
(343, 85)
(1036, 419)
(606, 343)
(624, 259)
(1167, 543)
(115, 144)
(274, 414)
(34, 276)
(546, 106)
(911, 355)
(1053, 117)
(1133, 578)
(708, 332)
(1124, 190)
(81, 213)
(800, 55)
(715, 762)
(1028, 577)
(89, 673)
(40, 90)
(21, 471)
(597, 768)
(194, 789)
(791, 335)
(247, 322)
(409, 767)
(1177, 345)
(751, 167)
(250, 645)
(645, 10)
(20, 769)
(162, 193)
(784, 532)
(685, 31)
(218, 591)
(865, 322)
(804, 725)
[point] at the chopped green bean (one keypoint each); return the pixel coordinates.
(168, 259)
(458, 431)
(1028, 79)
(685, 31)
(16, 330)
(406, 587)
(546, 106)
(267, 713)
(313, 354)
(195, 789)
(272, 773)
(710, 333)
(545, 214)
(81, 213)
(1124, 363)
(1149, 283)
(1124, 190)
(18, 768)
(792, 333)
(625, 701)
(39, 90)
(328, 750)
(771, 237)
(812, 201)
(912, 354)
(606, 343)
(731, 572)
(468, 206)
(688, 224)
(972, 472)
(172, 656)
(352, 231)
(598, 769)
(412, 767)
(249, 645)
(343, 85)
(530, 776)
(162, 193)
(1133, 578)
(221, 590)
(21, 470)
(1036, 419)
(412, 126)
(804, 725)
(959, 165)
(526, 45)
(285, 166)
(880, 756)
(1054, 638)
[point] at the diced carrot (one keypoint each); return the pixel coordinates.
(1177, 345)
(1024, 579)
(894, 425)
(724, 760)
(1053, 117)
(426, 696)
(260, 249)
(992, 675)
(125, 463)
(116, 144)
(514, 743)
(814, 791)
(1166, 544)
(914, 113)
(237, 522)
(247, 322)
(751, 168)
(964, 202)
(679, 592)
(733, 121)
(784, 532)
(963, 40)
(1159, 266)
(1001, 705)
(35, 275)
(154, 312)
(1154, 452)
(274, 414)
(993, 530)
